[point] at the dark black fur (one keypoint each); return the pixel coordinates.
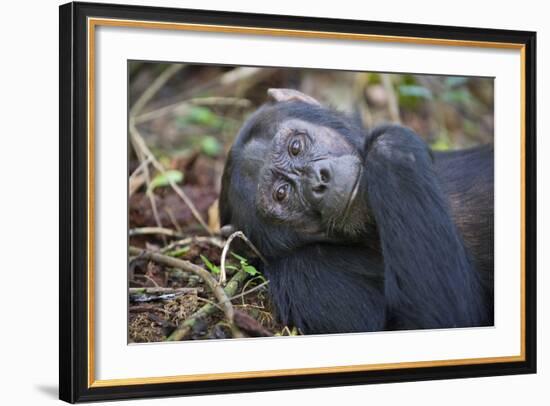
(425, 259)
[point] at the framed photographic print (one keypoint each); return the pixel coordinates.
(256, 202)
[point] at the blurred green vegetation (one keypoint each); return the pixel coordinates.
(201, 108)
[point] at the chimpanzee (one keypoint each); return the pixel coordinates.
(362, 230)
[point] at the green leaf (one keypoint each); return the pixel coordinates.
(210, 146)
(441, 144)
(164, 179)
(232, 267)
(213, 268)
(199, 115)
(242, 259)
(249, 269)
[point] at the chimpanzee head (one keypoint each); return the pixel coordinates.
(293, 174)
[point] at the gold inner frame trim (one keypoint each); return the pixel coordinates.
(94, 22)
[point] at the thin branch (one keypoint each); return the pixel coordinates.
(210, 302)
(147, 308)
(154, 282)
(215, 241)
(135, 182)
(152, 200)
(140, 168)
(143, 295)
(239, 234)
(173, 218)
(138, 178)
(154, 230)
(157, 290)
(246, 292)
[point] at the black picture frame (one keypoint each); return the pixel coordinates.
(74, 201)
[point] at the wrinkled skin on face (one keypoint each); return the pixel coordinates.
(297, 174)
(309, 178)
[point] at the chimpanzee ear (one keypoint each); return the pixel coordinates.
(283, 95)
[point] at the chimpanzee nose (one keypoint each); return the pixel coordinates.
(320, 177)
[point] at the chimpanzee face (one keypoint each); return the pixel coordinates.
(309, 178)
(294, 175)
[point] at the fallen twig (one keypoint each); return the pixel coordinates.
(138, 177)
(158, 290)
(216, 241)
(154, 230)
(143, 298)
(246, 292)
(239, 234)
(135, 182)
(147, 308)
(250, 325)
(152, 280)
(173, 218)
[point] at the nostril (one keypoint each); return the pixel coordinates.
(319, 189)
(325, 175)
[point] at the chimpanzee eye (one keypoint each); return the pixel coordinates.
(295, 147)
(281, 193)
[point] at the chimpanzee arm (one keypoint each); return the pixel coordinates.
(429, 279)
(328, 289)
